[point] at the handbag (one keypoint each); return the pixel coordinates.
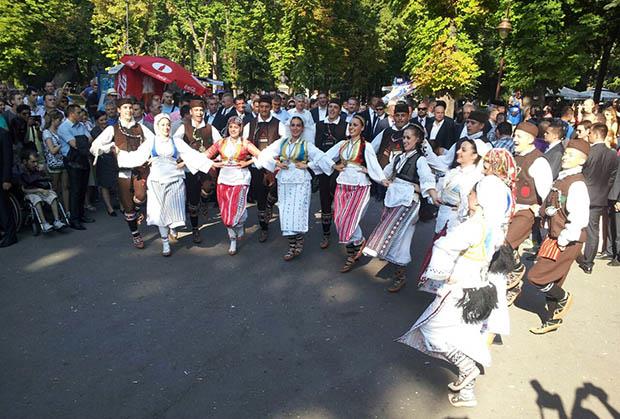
(427, 211)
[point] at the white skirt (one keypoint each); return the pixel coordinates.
(293, 207)
(165, 206)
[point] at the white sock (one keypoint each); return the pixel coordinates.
(163, 232)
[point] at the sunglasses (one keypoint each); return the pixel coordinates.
(422, 109)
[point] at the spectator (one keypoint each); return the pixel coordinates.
(53, 157)
(107, 168)
(588, 111)
(110, 96)
(277, 111)
(501, 117)
(31, 96)
(138, 113)
(440, 129)
(4, 125)
(611, 122)
(7, 222)
(582, 131)
(553, 137)
(49, 105)
(211, 110)
(74, 146)
(185, 117)
(599, 172)
(18, 127)
(154, 110)
(37, 190)
(503, 135)
(168, 105)
(16, 100)
(568, 119)
(110, 111)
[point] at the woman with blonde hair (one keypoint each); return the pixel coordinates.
(611, 121)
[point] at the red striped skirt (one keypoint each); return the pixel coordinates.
(350, 202)
(231, 200)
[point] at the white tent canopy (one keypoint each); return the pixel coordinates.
(570, 94)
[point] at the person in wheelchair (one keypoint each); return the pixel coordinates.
(38, 190)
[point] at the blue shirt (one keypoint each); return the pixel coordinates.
(506, 143)
(67, 131)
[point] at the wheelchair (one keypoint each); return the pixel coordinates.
(24, 213)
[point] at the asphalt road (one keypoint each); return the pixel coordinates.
(93, 328)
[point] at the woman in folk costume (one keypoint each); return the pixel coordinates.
(453, 189)
(165, 205)
(234, 178)
(451, 328)
(410, 181)
(357, 164)
(290, 159)
(499, 162)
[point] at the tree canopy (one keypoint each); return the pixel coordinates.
(347, 46)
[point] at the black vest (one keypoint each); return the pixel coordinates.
(329, 134)
(409, 171)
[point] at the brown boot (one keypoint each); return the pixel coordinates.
(348, 264)
(325, 241)
(399, 281)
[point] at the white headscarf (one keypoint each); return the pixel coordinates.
(156, 120)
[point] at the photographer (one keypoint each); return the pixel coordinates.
(74, 146)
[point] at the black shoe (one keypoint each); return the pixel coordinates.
(586, 268)
(87, 220)
(604, 256)
(112, 213)
(76, 225)
(614, 262)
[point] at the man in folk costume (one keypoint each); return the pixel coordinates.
(262, 131)
(330, 131)
(532, 187)
(127, 135)
(566, 215)
(389, 142)
(199, 135)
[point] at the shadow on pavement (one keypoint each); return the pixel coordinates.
(553, 402)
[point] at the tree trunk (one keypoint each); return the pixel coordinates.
(214, 60)
(602, 71)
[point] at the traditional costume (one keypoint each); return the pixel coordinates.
(127, 136)
(233, 182)
(263, 132)
(532, 186)
(452, 327)
(165, 206)
(391, 238)
(294, 185)
(328, 133)
(353, 191)
(566, 215)
(199, 136)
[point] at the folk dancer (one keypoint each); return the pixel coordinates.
(127, 135)
(233, 182)
(329, 131)
(410, 180)
(566, 214)
(452, 327)
(290, 158)
(263, 131)
(533, 183)
(199, 135)
(165, 207)
(357, 164)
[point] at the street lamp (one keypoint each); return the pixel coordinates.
(503, 29)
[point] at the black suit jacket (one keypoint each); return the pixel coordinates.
(315, 114)
(446, 135)
(6, 157)
(221, 119)
(614, 192)
(600, 172)
(554, 157)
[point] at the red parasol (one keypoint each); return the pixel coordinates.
(166, 71)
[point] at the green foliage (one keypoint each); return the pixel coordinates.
(346, 46)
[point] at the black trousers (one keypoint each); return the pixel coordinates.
(613, 239)
(7, 222)
(589, 250)
(262, 193)
(78, 184)
(327, 188)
